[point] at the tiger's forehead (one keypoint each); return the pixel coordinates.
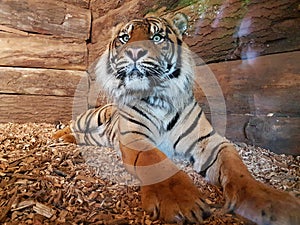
(143, 29)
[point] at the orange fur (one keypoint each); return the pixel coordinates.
(65, 134)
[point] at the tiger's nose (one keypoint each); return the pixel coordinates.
(135, 53)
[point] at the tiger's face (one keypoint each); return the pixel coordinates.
(142, 59)
(142, 54)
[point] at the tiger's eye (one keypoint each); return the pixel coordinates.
(157, 38)
(124, 38)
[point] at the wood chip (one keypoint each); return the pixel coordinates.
(43, 210)
(7, 208)
(45, 182)
(24, 204)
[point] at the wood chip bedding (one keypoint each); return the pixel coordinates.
(47, 182)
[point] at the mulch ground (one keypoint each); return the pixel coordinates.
(47, 182)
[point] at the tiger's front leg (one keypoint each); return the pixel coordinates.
(167, 193)
(250, 198)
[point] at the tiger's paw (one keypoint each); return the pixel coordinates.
(265, 205)
(65, 135)
(176, 199)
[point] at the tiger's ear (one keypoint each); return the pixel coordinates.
(180, 21)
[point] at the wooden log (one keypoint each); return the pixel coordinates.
(256, 86)
(101, 7)
(218, 30)
(42, 51)
(40, 95)
(280, 134)
(234, 29)
(81, 3)
(28, 108)
(261, 98)
(43, 82)
(51, 17)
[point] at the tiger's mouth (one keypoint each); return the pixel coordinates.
(135, 73)
(133, 78)
(139, 72)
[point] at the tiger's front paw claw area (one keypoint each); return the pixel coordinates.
(175, 200)
(267, 206)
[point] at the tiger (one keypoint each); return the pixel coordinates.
(148, 72)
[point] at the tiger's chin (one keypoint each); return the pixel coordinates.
(132, 88)
(130, 92)
(136, 83)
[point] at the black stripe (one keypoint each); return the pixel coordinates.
(112, 125)
(179, 42)
(207, 165)
(191, 128)
(169, 30)
(99, 120)
(88, 137)
(146, 21)
(88, 119)
(135, 122)
(95, 139)
(206, 136)
(110, 57)
(141, 113)
(109, 69)
(99, 114)
(82, 118)
(77, 122)
(112, 137)
(145, 115)
(135, 167)
(112, 132)
(175, 74)
(198, 140)
(173, 122)
(139, 133)
(85, 118)
(136, 159)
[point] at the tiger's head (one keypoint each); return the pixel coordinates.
(147, 59)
